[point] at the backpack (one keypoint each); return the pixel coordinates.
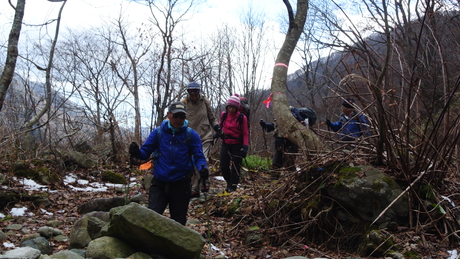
(310, 114)
(305, 113)
(244, 107)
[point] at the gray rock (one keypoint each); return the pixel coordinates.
(81, 252)
(369, 193)
(151, 232)
(140, 255)
(28, 237)
(2, 236)
(49, 232)
(66, 254)
(13, 227)
(61, 238)
(54, 223)
(101, 204)
(108, 247)
(22, 252)
(39, 243)
(80, 234)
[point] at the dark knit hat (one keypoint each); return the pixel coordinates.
(234, 101)
(348, 103)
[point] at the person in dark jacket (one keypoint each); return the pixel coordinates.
(284, 145)
(351, 124)
(235, 140)
(178, 148)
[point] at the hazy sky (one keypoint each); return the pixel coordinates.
(85, 13)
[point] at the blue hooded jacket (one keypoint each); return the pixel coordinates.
(175, 154)
(350, 127)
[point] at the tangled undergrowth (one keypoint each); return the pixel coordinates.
(277, 214)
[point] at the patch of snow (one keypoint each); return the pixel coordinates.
(82, 182)
(8, 245)
(46, 212)
(220, 178)
(453, 254)
(17, 212)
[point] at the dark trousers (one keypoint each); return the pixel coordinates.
(230, 164)
(282, 146)
(176, 194)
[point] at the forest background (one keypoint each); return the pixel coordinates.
(399, 61)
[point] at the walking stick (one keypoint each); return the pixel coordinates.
(131, 159)
(207, 217)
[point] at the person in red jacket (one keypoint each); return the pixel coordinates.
(235, 139)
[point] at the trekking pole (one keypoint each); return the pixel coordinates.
(131, 159)
(206, 209)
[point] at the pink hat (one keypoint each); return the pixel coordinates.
(234, 101)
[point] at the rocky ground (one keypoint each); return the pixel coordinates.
(211, 215)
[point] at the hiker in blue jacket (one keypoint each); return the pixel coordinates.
(178, 148)
(351, 124)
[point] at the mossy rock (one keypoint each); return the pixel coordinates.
(112, 177)
(41, 175)
(376, 243)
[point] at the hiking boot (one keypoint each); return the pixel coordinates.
(195, 195)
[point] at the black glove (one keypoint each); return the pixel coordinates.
(134, 149)
(244, 151)
(328, 122)
(270, 127)
(204, 175)
(218, 129)
(263, 125)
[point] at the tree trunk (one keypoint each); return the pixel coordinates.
(12, 56)
(288, 126)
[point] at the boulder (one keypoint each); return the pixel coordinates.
(22, 252)
(152, 233)
(87, 228)
(108, 247)
(368, 191)
(39, 243)
(66, 254)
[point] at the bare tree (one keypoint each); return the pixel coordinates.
(11, 58)
(128, 69)
(293, 130)
(166, 16)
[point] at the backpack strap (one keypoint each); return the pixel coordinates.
(188, 139)
(240, 124)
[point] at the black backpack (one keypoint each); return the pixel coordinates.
(244, 107)
(308, 113)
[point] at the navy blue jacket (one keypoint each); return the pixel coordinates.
(350, 127)
(175, 154)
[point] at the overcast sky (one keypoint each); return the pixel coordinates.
(85, 13)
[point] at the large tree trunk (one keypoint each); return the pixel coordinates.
(288, 126)
(12, 56)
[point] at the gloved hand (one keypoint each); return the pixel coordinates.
(263, 125)
(244, 151)
(328, 122)
(134, 149)
(204, 173)
(219, 132)
(218, 129)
